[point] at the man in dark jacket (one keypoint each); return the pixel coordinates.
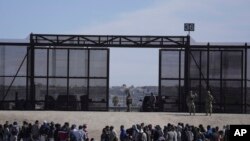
(152, 101)
(25, 132)
(44, 131)
(35, 131)
(129, 102)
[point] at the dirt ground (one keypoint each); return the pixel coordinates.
(98, 120)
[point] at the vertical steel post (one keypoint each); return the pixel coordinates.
(245, 96)
(242, 83)
(107, 95)
(159, 88)
(200, 85)
(187, 68)
(32, 74)
(222, 96)
(68, 102)
(88, 78)
(47, 82)
(179, 87)
(2, 73)
(208, 64)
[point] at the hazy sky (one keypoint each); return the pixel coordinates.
(215, 21)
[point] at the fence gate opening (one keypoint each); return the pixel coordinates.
(71, 72)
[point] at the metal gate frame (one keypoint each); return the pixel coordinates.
(182, 96)
(110, 41)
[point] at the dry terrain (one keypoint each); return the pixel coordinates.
(97, 120)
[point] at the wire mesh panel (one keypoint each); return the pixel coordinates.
(78, 63)
(204, 64)
(13, 76)
(71, 79)
(58, 62)
(78, 93)
(231, 64)
(78, 82)
(12, 59)
(170, 92)
(57, 92)
(195, 64)
(216, 74)
(198, 76)
(98, 86)
(214, 64)
(98, 94)
(248, 81)
(171, 65)
(232, 96)
(232, 91)
(41, 62)
(41, 92)
(215, 88)
(67, 78)
(98, 63)
(248, 97)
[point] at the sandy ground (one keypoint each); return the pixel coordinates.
(98, 120)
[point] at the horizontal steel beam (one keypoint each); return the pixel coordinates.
(108, 40)
(114, 41)
(14, 44)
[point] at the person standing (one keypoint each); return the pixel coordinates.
(81, 133)
(113, 134)
(14, 130)
(1, 132)
(190, 102)
(171, 134)
(51, 131)
(74, 134)
(129, 101)
(6, 132)
(35, 131)
(148, 133)
(85, 132)
(209, 103)
(123, 134)
(44, 131)
(24, 134)
(189, 134)
(152, 101)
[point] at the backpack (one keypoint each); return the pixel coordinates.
(129, 131)
(44, 130)
(14, 131)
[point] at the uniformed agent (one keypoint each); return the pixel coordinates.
(209, 103)
(190, 102)
(128, 101)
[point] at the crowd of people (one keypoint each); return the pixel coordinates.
(139, 132)
(43, 132)
(181, 132)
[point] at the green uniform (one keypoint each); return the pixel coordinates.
(190, 102)
(209, 103)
